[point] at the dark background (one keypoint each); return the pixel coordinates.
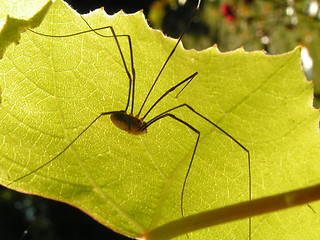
(110, 6)
(175, 18)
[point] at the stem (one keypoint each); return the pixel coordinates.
(234, 212)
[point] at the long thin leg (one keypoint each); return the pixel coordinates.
(188, 80)
(74, 34)
(192, 157)
(169, 57)
(215, 125)
(219, 128)
(132, 78)
(95, 30)
(60, 153)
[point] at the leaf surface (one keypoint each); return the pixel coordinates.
(52, 88)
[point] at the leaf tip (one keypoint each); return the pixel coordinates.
(215, 48)
(241, 49)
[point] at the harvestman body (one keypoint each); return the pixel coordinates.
(133, 124)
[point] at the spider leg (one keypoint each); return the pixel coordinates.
(155, 119)
(186, 81)
(167, 113)
(115, 36)
(132, 78)
(65, 149)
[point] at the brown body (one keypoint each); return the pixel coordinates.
(128, 123)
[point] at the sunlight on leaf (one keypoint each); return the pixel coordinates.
(52, 88)
(13, 27)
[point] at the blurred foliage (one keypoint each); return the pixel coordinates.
(276, 26)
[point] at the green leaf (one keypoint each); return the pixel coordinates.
(13, 27)
(52, 88)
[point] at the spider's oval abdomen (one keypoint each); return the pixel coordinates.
(128, 123)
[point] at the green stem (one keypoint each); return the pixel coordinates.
(234, 212)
